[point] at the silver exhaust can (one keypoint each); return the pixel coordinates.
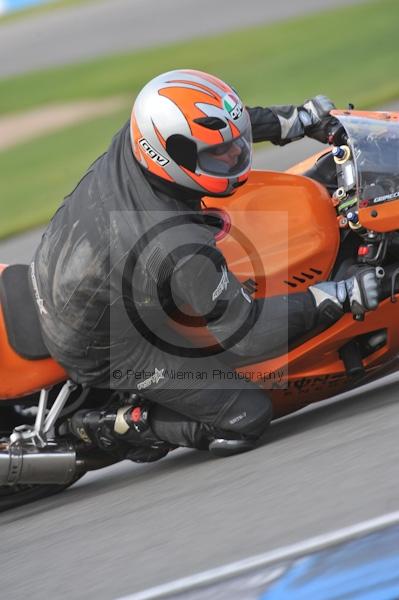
(29, 464)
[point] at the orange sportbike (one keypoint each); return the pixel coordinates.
(280, 233)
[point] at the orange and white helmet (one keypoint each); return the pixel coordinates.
(191, 129)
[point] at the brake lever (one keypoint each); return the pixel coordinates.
(337, 136)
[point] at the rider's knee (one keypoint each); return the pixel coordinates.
(249, 414)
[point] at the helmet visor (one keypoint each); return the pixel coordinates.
(228, 159)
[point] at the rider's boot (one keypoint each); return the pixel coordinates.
(238, 428)
(220, 446)
(124, 432)
(222, 443)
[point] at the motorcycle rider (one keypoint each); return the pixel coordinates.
(189, 136)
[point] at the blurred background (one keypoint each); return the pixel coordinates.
(69, 72)
(70, 69)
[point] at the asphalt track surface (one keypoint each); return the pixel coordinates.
(137, 526)
(73, 34)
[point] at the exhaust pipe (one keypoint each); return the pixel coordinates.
(28, 464)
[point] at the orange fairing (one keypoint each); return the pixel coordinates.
(381, 218)
(313, 371)
(20, 377)
(293, 249)
(306, 164)
(291, 223)
(281, 232)
(371, 114)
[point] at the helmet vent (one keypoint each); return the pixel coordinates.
(211, 123)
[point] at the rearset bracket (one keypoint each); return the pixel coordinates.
(38, 434)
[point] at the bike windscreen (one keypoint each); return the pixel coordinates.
(374, 143)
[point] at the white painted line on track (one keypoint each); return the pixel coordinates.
(262, 560)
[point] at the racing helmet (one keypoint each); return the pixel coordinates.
(191, 129)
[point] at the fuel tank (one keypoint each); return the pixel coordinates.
(280, 231)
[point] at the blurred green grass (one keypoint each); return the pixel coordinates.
(350, 54)
(37, 175)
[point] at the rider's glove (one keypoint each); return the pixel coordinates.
(315, 117)
(311, 118)
(363, 290)
(358, 294)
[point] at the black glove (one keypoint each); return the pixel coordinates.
(357, 294)
(315, 117)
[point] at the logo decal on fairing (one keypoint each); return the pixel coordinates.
(152, 153)
(158, 375)
(386, 198)
(233, 106)
(222, 285)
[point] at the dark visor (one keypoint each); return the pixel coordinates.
(228, 158)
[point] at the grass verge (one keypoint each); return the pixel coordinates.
(37, 175)
(349, 54)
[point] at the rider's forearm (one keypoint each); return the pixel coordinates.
(286, 123)
(277, 124)
(267, 326)
(242, 325)
(265, 125)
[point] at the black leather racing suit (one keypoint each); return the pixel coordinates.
(109, 270)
